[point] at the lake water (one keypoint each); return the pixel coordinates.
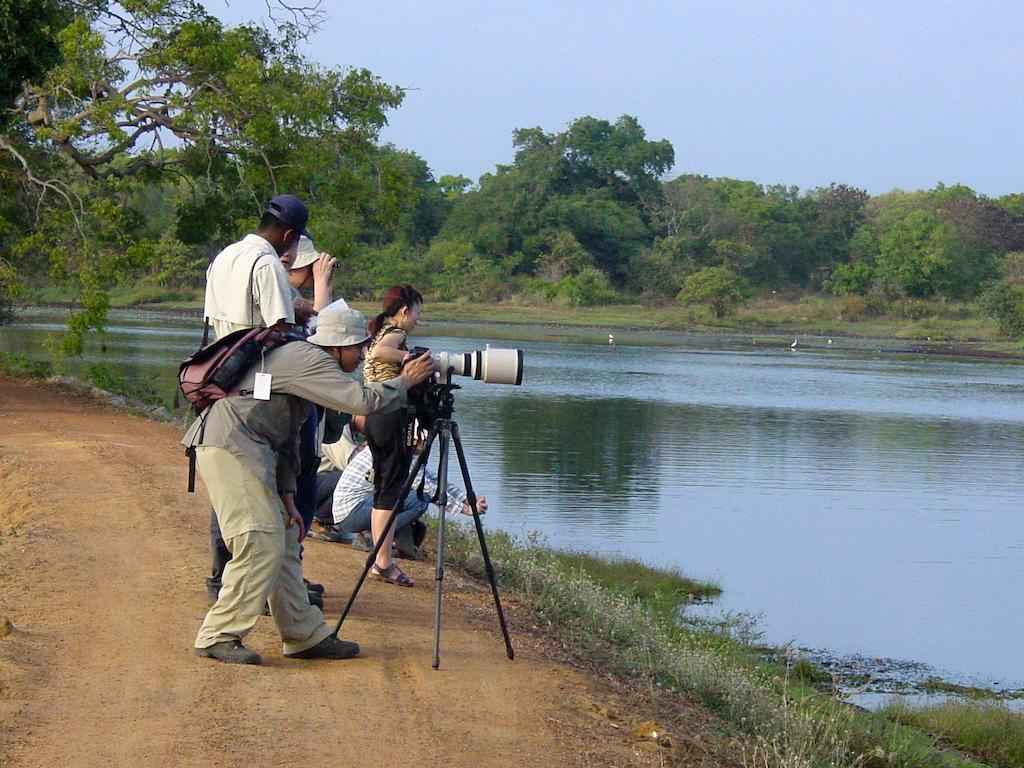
(862, 502)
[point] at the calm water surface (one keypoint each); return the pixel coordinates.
(862, 503)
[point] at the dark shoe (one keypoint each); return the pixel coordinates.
(327, 532)
(362, 542)
(317, 601)
(419, 532)
(328, 648)
(230, 652)
(312, 586)
(405, 543)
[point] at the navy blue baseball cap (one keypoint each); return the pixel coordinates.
(290, 211)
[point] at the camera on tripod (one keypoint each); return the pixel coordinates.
(432, 399)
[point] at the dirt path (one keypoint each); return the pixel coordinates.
(102, 556)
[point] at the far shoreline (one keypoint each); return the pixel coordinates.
(593, 324)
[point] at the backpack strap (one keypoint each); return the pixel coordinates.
(252, 292)
(191, 453)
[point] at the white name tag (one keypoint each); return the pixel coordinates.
(261, 389)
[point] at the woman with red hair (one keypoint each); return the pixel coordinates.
(386, 435)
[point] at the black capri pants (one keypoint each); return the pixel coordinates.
(392, 456)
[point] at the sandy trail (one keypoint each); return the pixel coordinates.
(102, 556)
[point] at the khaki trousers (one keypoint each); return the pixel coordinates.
(265, 565)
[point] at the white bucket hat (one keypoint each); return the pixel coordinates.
(339, 326)
(305, 253)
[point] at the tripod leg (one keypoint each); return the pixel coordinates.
(471, 497)
(442, 506)
(421, 459)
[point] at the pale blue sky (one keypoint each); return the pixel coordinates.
(875, 94)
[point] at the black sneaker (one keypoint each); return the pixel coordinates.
(316, 600)
(312, 586)
(230, 652)
(405, 543)
(329, 648)
(328, 532)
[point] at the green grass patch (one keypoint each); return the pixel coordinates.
(18, 365)
(140, 294)
(108, 378)
(990, 733)
(663, 590)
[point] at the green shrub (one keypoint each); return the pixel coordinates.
(1004, 302)
(911, 309)
(853, 307)
(718, 287)
(584, 289)
(853, 278)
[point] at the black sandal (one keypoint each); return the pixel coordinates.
(392, 575)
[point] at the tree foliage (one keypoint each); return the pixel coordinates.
(146, 95)
(139, 137)
(718, 287)
(590, 189)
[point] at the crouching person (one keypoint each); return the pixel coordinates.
(246, 453)
(353, 504)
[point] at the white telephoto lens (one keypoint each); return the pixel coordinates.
(502, 366)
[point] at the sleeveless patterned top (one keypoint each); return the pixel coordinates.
(378, 370)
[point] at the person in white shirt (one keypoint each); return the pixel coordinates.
(247, 283)
(353, 500)
(247, 287)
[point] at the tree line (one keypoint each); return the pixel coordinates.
(138, 138)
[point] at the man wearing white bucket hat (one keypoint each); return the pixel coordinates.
(312, 269)
(246, 453)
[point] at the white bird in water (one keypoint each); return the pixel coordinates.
(611, 338)
(793, 346)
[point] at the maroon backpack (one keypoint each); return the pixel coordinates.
(214, 371)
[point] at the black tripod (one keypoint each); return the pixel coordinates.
(444, 427)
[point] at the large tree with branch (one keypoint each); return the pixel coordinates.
(161, 91)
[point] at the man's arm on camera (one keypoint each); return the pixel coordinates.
(306, 371)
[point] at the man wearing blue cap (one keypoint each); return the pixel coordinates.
(247, 287)
(247, 283)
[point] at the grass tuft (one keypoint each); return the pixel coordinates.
(991, 733)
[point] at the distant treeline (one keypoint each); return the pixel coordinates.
(136, 144)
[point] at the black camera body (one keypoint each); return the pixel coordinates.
(429, 400)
